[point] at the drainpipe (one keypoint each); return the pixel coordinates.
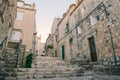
(111, 38)
(113, 48)
(34, 43)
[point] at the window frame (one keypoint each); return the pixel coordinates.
(20, 15)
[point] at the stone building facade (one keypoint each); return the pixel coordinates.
(53, 39)
(25, 21)
(90, 30)
(54, 33)
(49, 46)
(67, 36)
(7, 55)
(25, 24)
(98, 30)
(7, 17)
(42, 49)
(38, 44)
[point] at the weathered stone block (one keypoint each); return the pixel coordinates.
(4, 74)
(2, 78)
(10, 78)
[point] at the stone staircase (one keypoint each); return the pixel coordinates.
(8, 64)
(47, 67)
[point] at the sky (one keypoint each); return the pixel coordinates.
(47, 10)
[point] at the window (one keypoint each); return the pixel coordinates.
(79, 15)
(43, 51)
(16, 35)
(94, 19)
(79, 30)
(97, 18)
(19, 16)
(67, 28)
(20, 4)
(55, 53)
(56, 37)
(83, 9)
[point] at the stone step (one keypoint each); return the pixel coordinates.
(47, 67)
(62, 68)
(51, 66)
(106, 77)
(46, 57)
(26, 69)
(43, 61)
(57, 74)
(46, 64)
(50, 62)
(55, 71)
(46, 75)
(30, 77)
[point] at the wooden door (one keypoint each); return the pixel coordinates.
(93, 52)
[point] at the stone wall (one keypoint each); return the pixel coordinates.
(49, 46)
(7, 55)
(27, 16)
(91, 18)
(8, 64)
(7, 17)
(105, 31)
